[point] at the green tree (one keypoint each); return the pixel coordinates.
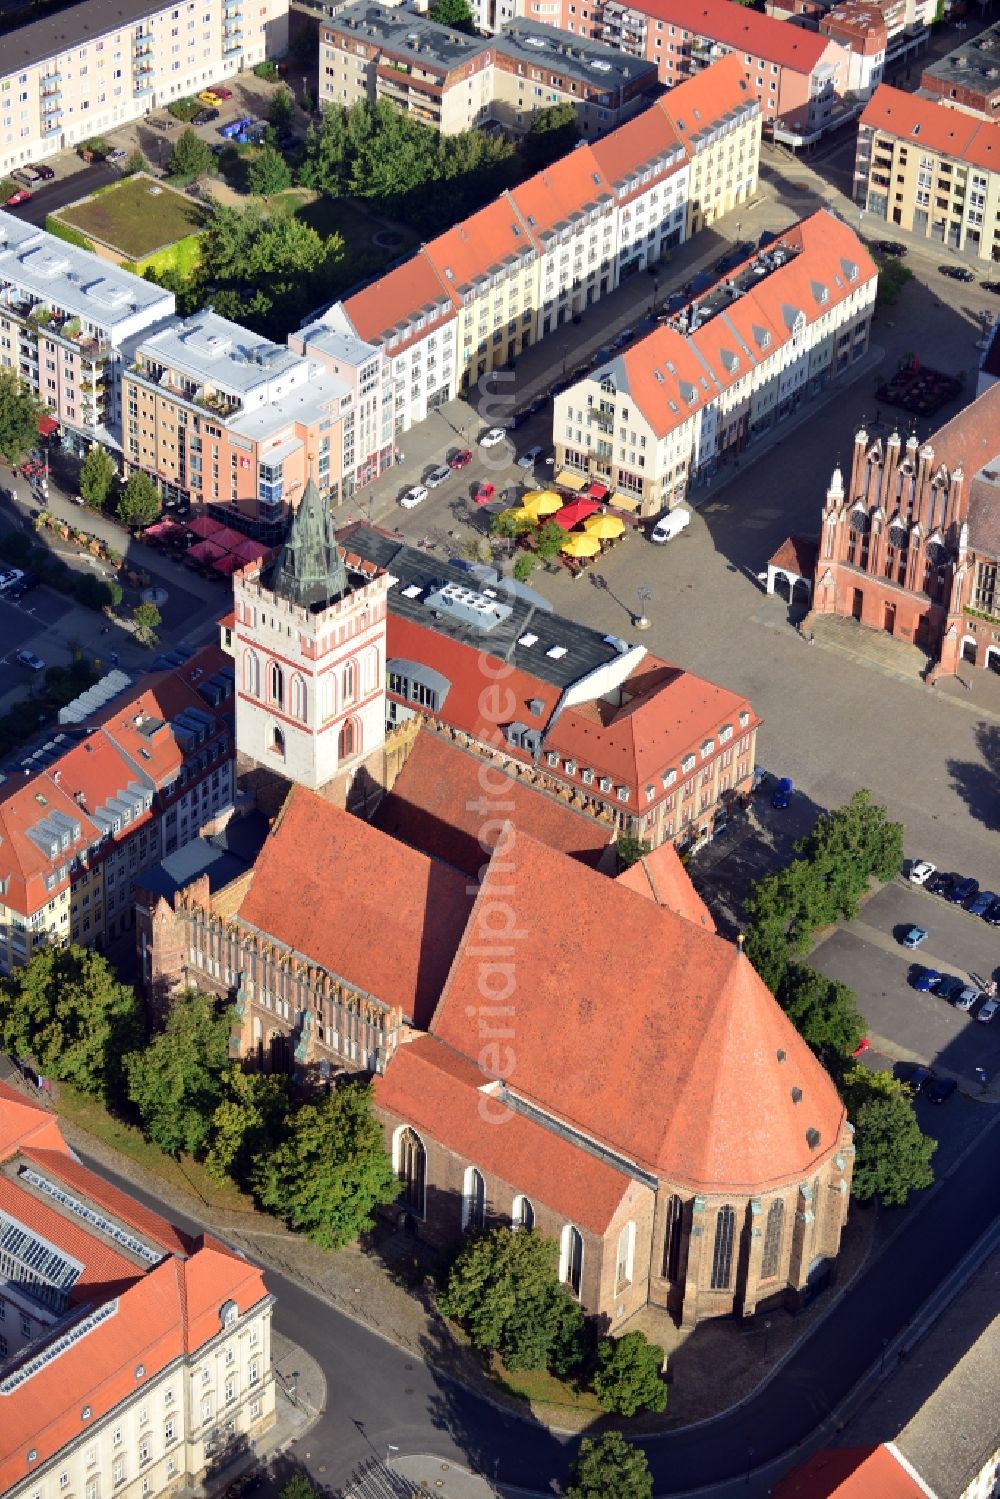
(630, 849)
(454, 13)
(510, 524)
(553, 132)
(183, 1075)
(308, 100)
(524, 565)
(247, 1124)
(548, 540)
(8, 187)
(850, 847)
(628, 1378)
(191, 156)
(504, 1288)
(299, 1487)
(331, 1170)
(281, 108)
(268, 173)
(147, 620)
(139, 501)
(823, 1011)
(893, 1154)
(66, 1009)
(135, 163)
(97, 475)
(608, 1467)
(19, 413)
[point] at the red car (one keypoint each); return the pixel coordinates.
(483, 492)
(21, 196)
(460, 459)
(222, 93)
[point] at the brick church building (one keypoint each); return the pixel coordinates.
(553, 1045)
(910, 543)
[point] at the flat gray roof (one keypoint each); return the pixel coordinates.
(343, 346)
(974, 65)
(574, 56)
(210, 347)
(409, 35)
(74, 279)
(50, 35)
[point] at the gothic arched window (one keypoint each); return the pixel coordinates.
(350, 682)
(473, 1199)
(772, 1239)
(350, 739)
(411, 1168)
(276, 685)
(300, 702)
(251, 673)
(571, 1258)
(722, 1253)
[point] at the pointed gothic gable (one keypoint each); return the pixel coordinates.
(310, 571)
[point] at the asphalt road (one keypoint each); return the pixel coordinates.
(377, 1394)
(46, 197)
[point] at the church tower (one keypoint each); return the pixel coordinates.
(310, 644)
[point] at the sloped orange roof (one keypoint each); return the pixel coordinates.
(22, 1120)
(377, 310)
(851, 1473)
(666, 714)
(453, 805)
(437, 1090)
(634, 145)
(660, 876)
(376, 913)
(927, 123)
(693, 104)
(58, 1162)
(563, 191)
(736, 26)
(640, 1029)
(478, 246)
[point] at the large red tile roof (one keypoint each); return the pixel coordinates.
(642, 1030)
(661, 877)
(479, 245)
(851, 1473)
(631, 147)
(925, 123)
(57, 1162)
(564, 190)
(22, 1120)
(379, 915)
(435, 1089)
(741, 28)
(377, 311)
(453, 804)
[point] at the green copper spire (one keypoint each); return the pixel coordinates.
(310, 569)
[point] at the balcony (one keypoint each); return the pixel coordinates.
(143, 46)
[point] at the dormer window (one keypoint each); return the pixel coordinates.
(623, 793)
(744, 718)
(588, 778)
(552, 759)
(707, 748)
(605, 783)
(725, 733)
(669, 777)
(688, 763)
(650, 793)
(571, 767)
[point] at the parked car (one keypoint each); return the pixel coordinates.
(735, 256)
(530, 458)
(16, 199)
(921, 871)
(925, 979)
(44, 172)
(913, 1074)
(493, 438)
(913, 936)
(861, 1047)
(205, 117)
(949, 988)
(988, 1010)
(782, 794)
(118, 154)
(220, 92)
(940, 883)
(461, 459)
(483, 492)
(437, 476)
(993, 914)
(8, 577)
(29, 661)
(413, 497)
(209, 96)
(981, 902)
(939, 1089)
(26, 175)
(24, 585)
(956, 272)
(670, 525)
(890, 247)
(993, 286)
(962, 891)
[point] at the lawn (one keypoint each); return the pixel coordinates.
(539, 1387)
(136, 217)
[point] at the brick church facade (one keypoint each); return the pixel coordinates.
(910, 543)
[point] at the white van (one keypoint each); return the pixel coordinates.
(670, 525)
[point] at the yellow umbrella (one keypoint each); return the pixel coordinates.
(542, 502)
(581, 545)
(607, 527)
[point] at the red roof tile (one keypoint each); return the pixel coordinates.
(564, 189)
(23, 1120)
(635, 144)
(478, 246)
(433, 1088)
(851, 1473)
(381, 916)
(797, 554)
(396, 298)
(73, 1174)
(661, 877)
(746, 30)
(927, 123)
(687, 1069)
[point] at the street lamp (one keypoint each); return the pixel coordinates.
(767, 1335)
(644, 594)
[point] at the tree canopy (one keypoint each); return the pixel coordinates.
(139, 501)
(268, 173)
(608, 1467)
(191, 156)
(281, 108)
(182, 1077)
(97, 475)
(331, 1170)
(893, 1155)
(823, 1011)
(19, 413)
(628, 1376)
(553, 132)
(504, 1288)
(454, 13)
(66, 1009)
(269, 268)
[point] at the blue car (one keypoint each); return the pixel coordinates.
(981, 903)
(925, 979)
(962, 891)
(783, 794)
(913, 936)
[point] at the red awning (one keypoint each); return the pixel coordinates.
(250, 551)
(227, 564)
(597, 491)
(572, 514)
(207, 551)
(205, 527)
(47, 425)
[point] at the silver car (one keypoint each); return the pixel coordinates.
(437, 476)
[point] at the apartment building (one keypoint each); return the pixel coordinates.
(968, 78)
(907, 22)
(97, 803)
(698, 389)
(91, 68)
(453, 81)
(931, 170)
(859, 26)
(471, 300)
(135, 1358)
(64, 317)
(228, 419)
(367, 447)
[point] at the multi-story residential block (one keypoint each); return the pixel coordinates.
(699, 388)
(64, 317)
(228, 419)
(910, 544)
(968, 78)
(84, 816)
(94, 67)
(932, 170)
(472, 299)
(134, 1357)
(860, 27)
(366, 427)
(453, 81)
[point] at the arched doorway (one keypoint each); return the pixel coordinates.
(411, 1169)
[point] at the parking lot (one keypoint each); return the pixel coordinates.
(868, 956)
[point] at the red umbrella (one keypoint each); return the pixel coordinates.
(205, 527)
(572, 514)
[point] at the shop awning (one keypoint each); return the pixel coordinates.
(621, 501)
(204, 526)
(250, 550)
(596, 490)
(225, 565)
(207, 551)
(47, 425)
(572, 514)
(571, 481)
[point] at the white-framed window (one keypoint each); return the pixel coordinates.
(473, 1199)
(571, 1258)
(625, 1261)
(522, 1214)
